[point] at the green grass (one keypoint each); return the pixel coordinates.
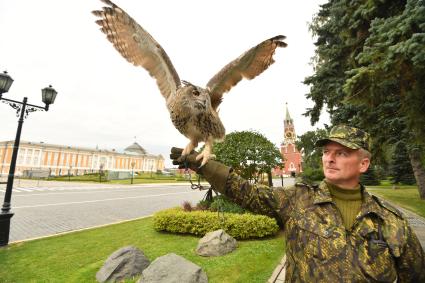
(76, 257)
(405, 196)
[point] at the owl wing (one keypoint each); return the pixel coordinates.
(249, 65)
(138, 46)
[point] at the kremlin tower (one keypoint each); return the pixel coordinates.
(290, 154)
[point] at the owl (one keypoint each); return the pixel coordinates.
(193, 110)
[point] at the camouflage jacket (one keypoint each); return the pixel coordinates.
(380, 246)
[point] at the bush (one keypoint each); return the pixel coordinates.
(223, 204)
(239, 226)
(310, 175)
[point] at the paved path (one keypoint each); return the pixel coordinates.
(50, 208)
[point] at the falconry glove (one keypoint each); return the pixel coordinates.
(213, 171)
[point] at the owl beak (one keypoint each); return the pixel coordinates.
(200, 104)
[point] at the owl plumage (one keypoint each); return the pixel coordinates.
(193, 110)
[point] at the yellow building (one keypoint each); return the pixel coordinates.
(64, 160)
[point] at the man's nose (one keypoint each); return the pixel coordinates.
(330, 157)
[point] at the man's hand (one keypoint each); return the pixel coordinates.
(214, 172)
(185, 161)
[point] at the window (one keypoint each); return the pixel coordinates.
(73, 160)
(61, 160)
(28, 156)
(68, 159)
(21, 154)
(36, 157)
(55, 159)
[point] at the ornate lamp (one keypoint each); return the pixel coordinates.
(5, 82)
(22, 110)
(48, 95)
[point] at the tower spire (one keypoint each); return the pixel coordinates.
(287, 117)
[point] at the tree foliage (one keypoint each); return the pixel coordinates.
(400, 169)
(312, 156)
(370, 177)
(249, 153)
(392, 63)
(370, 72)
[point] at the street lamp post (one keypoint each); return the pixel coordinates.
(100, 172)
(69, 173)
(22, 110)
(132, 171)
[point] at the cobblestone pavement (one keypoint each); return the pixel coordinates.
(48, 208)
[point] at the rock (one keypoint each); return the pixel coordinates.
(124, 263)
(216, 243)
(172, 268)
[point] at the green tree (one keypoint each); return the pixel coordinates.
(369, 72)
(370, 177)
(249, 153)
(400, 170)
(312, 156)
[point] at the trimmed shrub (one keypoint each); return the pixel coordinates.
(239, 226)
(222, 203)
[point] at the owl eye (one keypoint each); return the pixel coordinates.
(195, 92)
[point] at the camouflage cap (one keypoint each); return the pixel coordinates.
(350, 137)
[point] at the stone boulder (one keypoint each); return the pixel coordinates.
(172, 268)
(124, 263)
(216, 243)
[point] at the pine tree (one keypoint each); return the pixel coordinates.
(400, 169)
(370, 177)
(370, 72)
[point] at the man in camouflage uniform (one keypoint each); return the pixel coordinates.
(336, 231)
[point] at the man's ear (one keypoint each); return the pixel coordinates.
(364, 165)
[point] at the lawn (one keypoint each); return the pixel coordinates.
(405, 196)
(76, 257)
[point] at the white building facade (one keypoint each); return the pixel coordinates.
(64, 160)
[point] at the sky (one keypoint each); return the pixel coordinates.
(103, 101)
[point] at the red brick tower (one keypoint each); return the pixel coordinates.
(291, 155)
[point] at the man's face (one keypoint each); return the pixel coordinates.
(342, 166)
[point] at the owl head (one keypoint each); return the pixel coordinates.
(195, 97)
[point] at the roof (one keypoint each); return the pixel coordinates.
(288, 117)
(136, 148)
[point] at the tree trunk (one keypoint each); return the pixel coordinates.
(418, 171)
(270, 179)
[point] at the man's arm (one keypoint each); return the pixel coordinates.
(257, 198)
(411, 263)
(254, 197)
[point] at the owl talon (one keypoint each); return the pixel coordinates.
(205, 156)
(188, 149)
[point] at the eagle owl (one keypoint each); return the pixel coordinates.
(193, 110)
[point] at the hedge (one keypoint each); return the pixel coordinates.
(239, 226)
